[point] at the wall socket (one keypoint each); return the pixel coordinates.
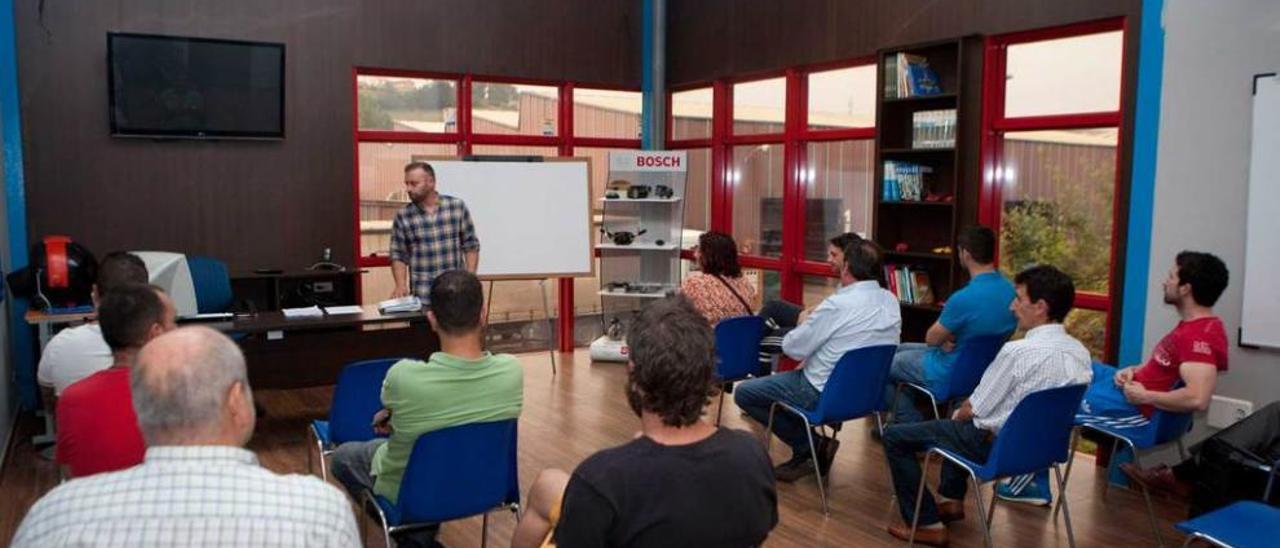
(1224, 412)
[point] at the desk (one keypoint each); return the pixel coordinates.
(300, 352)
(45, 322)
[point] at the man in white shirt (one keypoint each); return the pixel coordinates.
(859, 314)
(1047, 357)
(77, 352)
(197, 486)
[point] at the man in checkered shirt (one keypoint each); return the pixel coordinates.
(197, 486)
(430, 235)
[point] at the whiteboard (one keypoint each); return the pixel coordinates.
(533, 218)
(1260, 321)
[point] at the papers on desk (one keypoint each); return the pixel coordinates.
(403, 304)
(338, 310)
(308, 312)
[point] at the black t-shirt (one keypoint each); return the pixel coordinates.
(717, 492)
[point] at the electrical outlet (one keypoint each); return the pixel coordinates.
(1224, 411)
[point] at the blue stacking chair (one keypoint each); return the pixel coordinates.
(212, 284)
(453, 473)
(975, 355)
(737, 350)
(1163, 427)
(854, 390)
(1244, 524)
(356, 398)
(1036, 436)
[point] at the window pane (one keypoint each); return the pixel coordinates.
(1066, 75)
(817, 288)
(382, 189)
(514, 150)
(1090, 326)
(838, 190)
(407, 104)
(697, 188)
(606, 113)
(1058, 188)
(514, 109)
(691, 114)
(755, 181)
(843, 98)
(759, 107)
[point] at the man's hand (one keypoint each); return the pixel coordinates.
(948, 346)
(964, 413)
(1136, 393)
(1124, 376)
(804, 315)
(382, 422)
(399, 291)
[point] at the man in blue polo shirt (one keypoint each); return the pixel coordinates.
(978, 309)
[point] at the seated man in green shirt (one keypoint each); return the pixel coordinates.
(461, 384)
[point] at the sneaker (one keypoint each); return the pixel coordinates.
(1035, 494)
(794, 469)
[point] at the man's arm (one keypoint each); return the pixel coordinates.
(1199, 379)
(473, 260)
(810, 335)
(964, 413)
(938, 335)
(470, 243)
(399, 259)
(400, 273)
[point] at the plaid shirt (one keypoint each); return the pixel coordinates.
(431, 244)
(191, 496)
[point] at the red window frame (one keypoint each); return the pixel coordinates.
(464, 139)
(791, 264)
(995, 125)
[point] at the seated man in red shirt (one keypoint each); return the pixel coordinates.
(1192, 354)
(97, 428)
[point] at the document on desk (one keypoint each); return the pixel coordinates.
(308, 312)
(339, 310)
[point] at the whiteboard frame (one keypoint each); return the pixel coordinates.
(1248, 338)
(590, 272)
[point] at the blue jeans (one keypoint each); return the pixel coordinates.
(755, 396)
(902, 442)
(908, 366)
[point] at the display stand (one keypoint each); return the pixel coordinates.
(638, 269)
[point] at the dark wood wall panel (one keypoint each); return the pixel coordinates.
(709, 39)
(257, 204)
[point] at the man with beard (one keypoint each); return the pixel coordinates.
(430, 235)
(1180, 376)
(681, 481)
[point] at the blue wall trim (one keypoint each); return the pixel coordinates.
(23, 355)
(1146, 134)
(648, 141)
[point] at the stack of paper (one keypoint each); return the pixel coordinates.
(308, 312)
(403, 304)
(339, 310)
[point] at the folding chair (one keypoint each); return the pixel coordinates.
(1035, 437)
(737, 350)
(356, 398)
(854, 390)
(453, 473)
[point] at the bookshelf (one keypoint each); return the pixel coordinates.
(932, 165)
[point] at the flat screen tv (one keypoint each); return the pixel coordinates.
(196, 88)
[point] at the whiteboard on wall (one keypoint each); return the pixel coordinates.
(1260, 321)
(533, 219)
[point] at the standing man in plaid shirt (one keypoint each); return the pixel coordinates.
(430, 235)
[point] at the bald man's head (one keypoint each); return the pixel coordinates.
(190, 387)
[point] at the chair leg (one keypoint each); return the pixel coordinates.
(484, 530)
(1146, 496)
(915, 516)
(768, 429)
(1106, 483)
(933, 405)
(991, 507)
(1062, 502)
(1071, 459)
(817, 466)
(1182, 451)
(986, 519)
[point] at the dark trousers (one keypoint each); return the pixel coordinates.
(1223, 468)
(902, 444)
(780, 318)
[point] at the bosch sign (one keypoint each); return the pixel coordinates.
(657, 161)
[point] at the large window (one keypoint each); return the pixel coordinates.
(1051, 180)
(401, 114)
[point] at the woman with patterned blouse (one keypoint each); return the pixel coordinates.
(719, 291)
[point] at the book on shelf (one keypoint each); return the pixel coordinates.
(903, 181)
(909, 285)
(907, 75)
(933, 128)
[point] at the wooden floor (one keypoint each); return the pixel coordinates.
(571, 415)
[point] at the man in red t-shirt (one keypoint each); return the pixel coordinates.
(97, 428)
(1180, 376)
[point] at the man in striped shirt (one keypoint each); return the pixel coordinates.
(1047, 357)
(429, 236)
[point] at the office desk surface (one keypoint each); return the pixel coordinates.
(37, 317)
(276, 321)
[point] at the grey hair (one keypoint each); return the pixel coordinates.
(180, 385)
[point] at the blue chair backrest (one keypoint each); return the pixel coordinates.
(356, 398)
(212, 284)
(856, 385)
(460, 471)
(738, 346)
(1037, 433)
(975, 355)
